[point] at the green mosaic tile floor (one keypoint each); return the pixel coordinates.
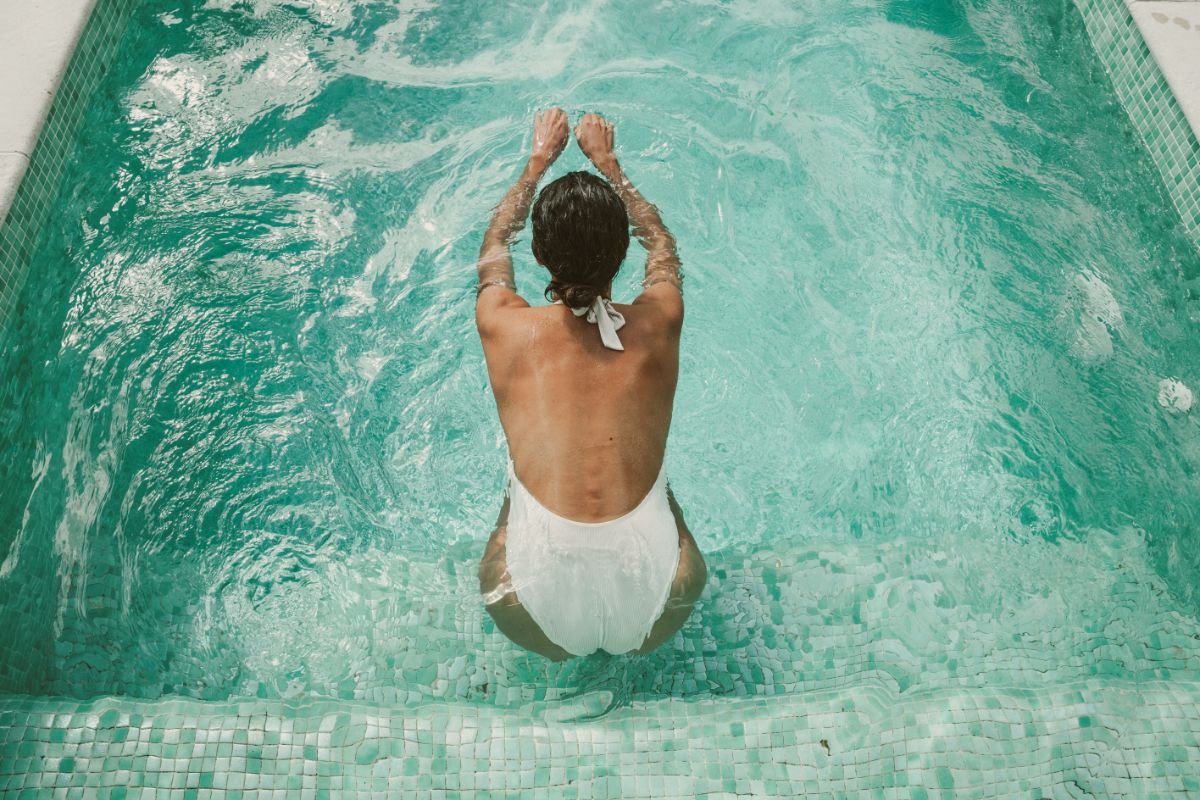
(860, 672)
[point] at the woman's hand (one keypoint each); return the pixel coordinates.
(595, 137)
(549, 136)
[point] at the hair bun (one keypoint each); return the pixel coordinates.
(573, 295)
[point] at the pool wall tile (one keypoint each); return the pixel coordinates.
(30, 206)
(1147, 98)
(33, 613)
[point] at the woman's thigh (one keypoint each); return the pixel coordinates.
(504, 607)
(690, 577)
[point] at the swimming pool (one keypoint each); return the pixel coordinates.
(934, 293)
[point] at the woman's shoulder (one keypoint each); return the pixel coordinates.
(664, 302)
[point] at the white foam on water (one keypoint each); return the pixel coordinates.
(1174, 395)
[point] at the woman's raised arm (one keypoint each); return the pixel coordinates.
(495, 262)
(595, 137)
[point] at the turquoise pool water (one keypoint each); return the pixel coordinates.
(934, 292)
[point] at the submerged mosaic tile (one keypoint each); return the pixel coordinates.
(1148, 100)
(19, 234)
(865, 669)
(835, 616)
(1082, 739)
(39, 186)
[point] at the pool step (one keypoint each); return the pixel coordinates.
(960, 667)
(1095, 738)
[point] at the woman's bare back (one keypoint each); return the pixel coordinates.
(586, 427)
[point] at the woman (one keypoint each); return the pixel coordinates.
(590, 550)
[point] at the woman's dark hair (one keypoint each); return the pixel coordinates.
(580, 234)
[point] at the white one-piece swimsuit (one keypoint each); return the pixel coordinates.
(593, 585)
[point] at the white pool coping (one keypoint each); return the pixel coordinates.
(37, 38)
(1171, 29)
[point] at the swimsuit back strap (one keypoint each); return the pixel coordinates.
(602, 314)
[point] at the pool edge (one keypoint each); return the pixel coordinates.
(1149, 102)
(78, 41)
(36, 43)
